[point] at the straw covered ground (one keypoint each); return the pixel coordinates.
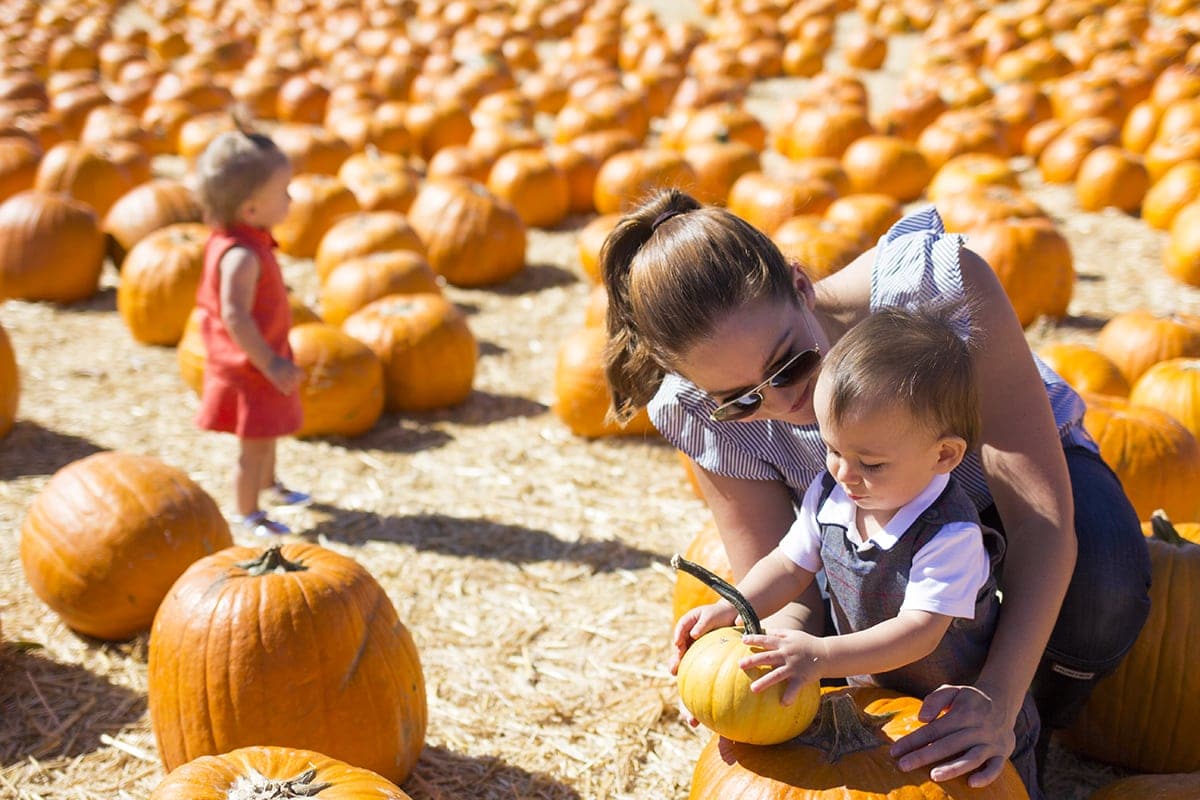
(530, 565)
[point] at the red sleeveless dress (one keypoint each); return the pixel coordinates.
(237, 397)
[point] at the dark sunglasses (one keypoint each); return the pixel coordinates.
(794, 370)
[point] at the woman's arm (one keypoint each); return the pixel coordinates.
(752, 516)
(1026, 472)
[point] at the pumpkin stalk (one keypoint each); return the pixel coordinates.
(256, 786)
(724, 588)
(271, 560)
(842, 728)
(1163, 530)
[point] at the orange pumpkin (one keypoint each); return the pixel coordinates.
(144, 209)
(242, 618)
(380, 181)
(1033, 262)
(864, 48)
(581, 396)
(718, 164)
(1084, 368)
(10, 384)
(279, 771)
(357, 281)
(767, 201)
(1135, 340)
(968, 171)
(1170, 193)
(887, 164)
(1181, 256)
(427, 349)
(1156, 458)
(825, 131)
(1110, 176)
(1059, 160)
(532, 184)
(19, 159)
(866, 216)
(978, 205)
(844, 754)
(1172, 386)
(1143, 715)
(580, 170)
(472, 238)
(342, 390)
(318, 202)
(51, 248)
(629, 177)
(362, 233)
(158, 282)
(707, 550)
(105, 538)
(1167, 151)
(591, 238)
(819, 246)
(961, 131)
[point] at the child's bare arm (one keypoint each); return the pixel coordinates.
(800, 658)
(239, 277)
(773, 582)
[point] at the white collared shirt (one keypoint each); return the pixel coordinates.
(947, 572)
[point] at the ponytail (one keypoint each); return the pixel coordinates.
(632, 371)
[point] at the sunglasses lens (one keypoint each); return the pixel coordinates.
(796, 370)
(737, 409)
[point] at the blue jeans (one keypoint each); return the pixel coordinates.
(1108, 598)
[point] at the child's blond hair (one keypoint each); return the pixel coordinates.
(233, 166)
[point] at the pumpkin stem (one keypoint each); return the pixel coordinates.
(723, 588)
(1163, 530)
(842, 728)
(256, 786)
(271, 560)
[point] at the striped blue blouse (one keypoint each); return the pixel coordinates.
(916, 262)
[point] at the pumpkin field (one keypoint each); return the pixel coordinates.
(488, 594)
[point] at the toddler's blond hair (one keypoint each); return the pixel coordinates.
(233, 166)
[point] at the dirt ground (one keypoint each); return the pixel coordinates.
(530, 565)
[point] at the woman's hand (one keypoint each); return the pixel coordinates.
(973, 736)
(794, 656)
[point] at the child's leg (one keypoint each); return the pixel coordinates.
(268, 468)
(255, 456)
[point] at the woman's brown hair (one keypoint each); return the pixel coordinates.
(673, 269)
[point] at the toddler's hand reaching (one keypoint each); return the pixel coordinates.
(793, 656)
(284, 375)
(697, 622)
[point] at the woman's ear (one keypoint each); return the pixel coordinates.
(951, 451)
(803, 285)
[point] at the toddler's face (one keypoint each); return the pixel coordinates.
(269, 204)
(881, 456)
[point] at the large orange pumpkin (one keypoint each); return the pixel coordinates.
(1110, 176)
(823, 764)
(51, 248)
(427, 349)
(354, 283)
(1086, 369)
(10, 384)
(158, 282)
(1143, 716)
(707, 550)
(767, 201)
(295, 645)
(629, 177)
(362, 233)
(581, 396)
(1171, 193)
(318, 202)
(591, 238)
(867, 216)
(106, 537)
(968, 171)
(471, 237)
(887, 164)
(819, 246)
(1156, 458)
(274, 772)
(144, 209)
(531, 183)
(1172, 386)
(1033, 262)
(1135, 340)
(89, 173)
(342, 390)
(1181, 256)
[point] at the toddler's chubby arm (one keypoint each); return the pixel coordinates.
(239, 277)
(800, 658)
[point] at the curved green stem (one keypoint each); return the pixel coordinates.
(722, 587)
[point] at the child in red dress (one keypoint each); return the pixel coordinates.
(250, 381)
